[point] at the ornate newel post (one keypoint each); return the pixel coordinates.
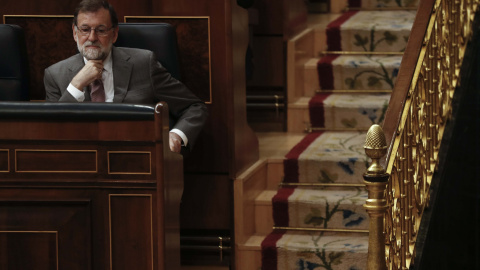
(376, 180)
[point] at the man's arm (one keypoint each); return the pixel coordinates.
(187, 110)
(59, 87)
(52, 90)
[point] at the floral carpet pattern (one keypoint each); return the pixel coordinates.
(341, 111)
(377, 31)
(314, 251)
(383, 3)
(322, 208)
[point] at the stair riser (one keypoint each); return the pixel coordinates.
(314, 250)
(349, 42)
(382, 3)
(339, 118)
(248, 259)
(341, 171)
(298, 119)
(263, 218)
(370, 31)
(357, 72)
(324, 208)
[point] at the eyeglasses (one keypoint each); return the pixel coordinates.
(101, 31)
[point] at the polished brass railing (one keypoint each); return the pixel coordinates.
(415, 122)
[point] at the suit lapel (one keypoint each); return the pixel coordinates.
(122, 70)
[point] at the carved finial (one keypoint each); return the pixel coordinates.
(375, 148)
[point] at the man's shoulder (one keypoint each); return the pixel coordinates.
(65, 62)
(133, 51)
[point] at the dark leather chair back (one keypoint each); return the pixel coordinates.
(14, 81)
(160, 38)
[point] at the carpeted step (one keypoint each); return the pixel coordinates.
(358, 72)
(370, 31)
(327, 157)
(327, 208)
(345, 111)
(382, 3)
(314, 250)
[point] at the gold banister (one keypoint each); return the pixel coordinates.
(415, 120)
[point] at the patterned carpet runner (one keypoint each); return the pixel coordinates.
(319, 211)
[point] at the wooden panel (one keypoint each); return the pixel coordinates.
(207, 203)
(271, 17)
(58, 161)
(131, 235)
(23, 247)
(268, 61)
(4, 160)
(193, 38)
(56, 43)
(299, 50)
(121, 162)
(78, 130)
(37, 234)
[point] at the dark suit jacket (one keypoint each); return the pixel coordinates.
(138, 78)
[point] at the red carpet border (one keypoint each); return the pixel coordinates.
(317, 110)
(269, 250)
(325, 72)
(290, 163)
(334, 39)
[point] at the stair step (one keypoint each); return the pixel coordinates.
(327, 157)
(344, 111)
(249, 254)
(311, 250)
(298, 115)
(325, 208)
(378, 31)
(340, 111)
(263, 212)
(356, 72)
(382, 3)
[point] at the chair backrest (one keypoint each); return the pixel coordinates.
(14, 77)
(160, 38)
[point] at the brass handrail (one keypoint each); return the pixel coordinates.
(415, 120)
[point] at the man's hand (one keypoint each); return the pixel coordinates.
(175, 142)
(89, 73)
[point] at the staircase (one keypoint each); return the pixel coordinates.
(316, 208)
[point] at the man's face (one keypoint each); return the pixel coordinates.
(92, 45)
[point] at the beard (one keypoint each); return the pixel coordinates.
(99, 53)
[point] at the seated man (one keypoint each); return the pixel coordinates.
(104, 73)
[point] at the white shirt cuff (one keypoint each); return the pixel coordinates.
(77, 94)
(181, 134)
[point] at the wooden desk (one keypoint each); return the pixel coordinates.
(88, 186)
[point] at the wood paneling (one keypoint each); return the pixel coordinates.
(4, 166)
(78, 161)
(40, 234)
(131, 232)
(22, 251)
(207, 202)
(99, 220)
(120, 162)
